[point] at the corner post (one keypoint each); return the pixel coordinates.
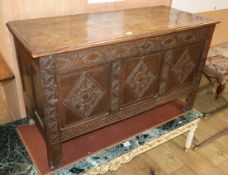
(52, 134)
(196, 82)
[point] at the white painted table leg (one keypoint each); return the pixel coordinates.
(30, 120)
(190, 137)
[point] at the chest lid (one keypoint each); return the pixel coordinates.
(52, 35)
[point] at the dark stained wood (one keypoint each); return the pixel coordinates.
(5, 72)
(59, 34)
(70, 91)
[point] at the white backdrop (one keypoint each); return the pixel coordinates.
(196, 6)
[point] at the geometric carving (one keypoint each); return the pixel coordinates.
(89, 125)
(140, 79)
(74, 60)
(53, 139)
(164, 71)
(148, 45)
(84, 96)
(183, 67)
(71, 61)
(115, 86)
(169, 41)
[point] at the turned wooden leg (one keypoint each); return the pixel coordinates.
(190, 137)
(220, 88)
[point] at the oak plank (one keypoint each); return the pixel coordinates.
(183, 171)
(165, 158)
(199, 164)
(224, 167)
(211, 151)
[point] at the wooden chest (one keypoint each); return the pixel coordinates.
(84, 72)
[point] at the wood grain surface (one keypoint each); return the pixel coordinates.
(24, 9)
(59, 34)
(98, 69)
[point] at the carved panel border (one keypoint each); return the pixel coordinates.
(49, 85)
(115, 85)
(164, 72)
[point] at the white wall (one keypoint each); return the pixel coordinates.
(196, 6)
(102, 1)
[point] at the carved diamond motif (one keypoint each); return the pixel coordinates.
(84, 96)
(140, 79)
(183, 67)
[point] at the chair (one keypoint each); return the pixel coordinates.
(216, 71)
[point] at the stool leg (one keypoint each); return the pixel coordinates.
(220, 88)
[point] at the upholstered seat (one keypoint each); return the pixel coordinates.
(216, 68)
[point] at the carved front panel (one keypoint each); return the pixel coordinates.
(83, 94)
(140, 78)
(103, 85)
(179, 67)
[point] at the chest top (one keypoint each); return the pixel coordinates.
(60, 34)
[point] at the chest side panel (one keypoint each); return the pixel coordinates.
(31, 81)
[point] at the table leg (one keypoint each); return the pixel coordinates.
(190, 137)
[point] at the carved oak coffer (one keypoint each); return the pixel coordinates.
(84, 72)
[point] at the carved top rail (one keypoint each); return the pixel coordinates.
(74, 60)
(5, 72)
